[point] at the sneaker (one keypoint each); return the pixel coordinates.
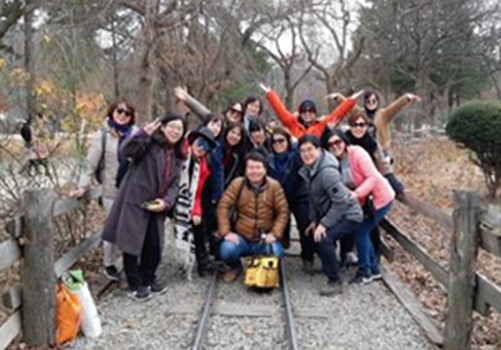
(157, 288)
(351, 259)
(140, 294)
(232, 274)
(331, 288)
(377, 276)
(112, 273)
(359, 279)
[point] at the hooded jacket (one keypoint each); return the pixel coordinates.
(330, 200)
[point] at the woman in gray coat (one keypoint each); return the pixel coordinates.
(147, 193)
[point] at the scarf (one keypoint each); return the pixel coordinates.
(123, 131)
(367, 142)
(183, 229)
(281, 162)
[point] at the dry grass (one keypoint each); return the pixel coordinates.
(432, 169)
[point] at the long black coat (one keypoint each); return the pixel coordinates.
(127, 223)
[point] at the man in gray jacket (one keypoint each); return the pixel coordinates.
(334, 212)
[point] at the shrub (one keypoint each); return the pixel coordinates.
(477, 126)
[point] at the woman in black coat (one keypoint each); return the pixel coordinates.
(147, 193)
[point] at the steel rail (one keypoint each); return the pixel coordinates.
(289, 316)
(202, 325)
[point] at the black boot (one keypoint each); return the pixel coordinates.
(205, 267)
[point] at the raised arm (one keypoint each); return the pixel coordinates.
(136, 145)
(386, 116)
(286, 117)
(339, 99)
(196, 106)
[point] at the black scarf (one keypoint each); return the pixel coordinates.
(367, 142)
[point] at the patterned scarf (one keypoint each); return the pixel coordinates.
(183, 229)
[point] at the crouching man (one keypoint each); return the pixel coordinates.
(253, 208)
(334, 212)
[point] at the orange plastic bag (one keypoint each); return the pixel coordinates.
(68, 315)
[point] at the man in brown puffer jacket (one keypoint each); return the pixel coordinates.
(261, 216)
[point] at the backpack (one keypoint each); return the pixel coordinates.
(98, 174)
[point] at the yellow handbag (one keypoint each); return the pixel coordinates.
(262, 273)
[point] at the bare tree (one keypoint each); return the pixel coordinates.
(336, 19)
(289, 61)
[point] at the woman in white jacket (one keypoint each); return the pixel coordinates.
(102, 163)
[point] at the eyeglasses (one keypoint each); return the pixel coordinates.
(358, 125)
(334, 143)
(124, 112)
(202, 143)
(279, 141)
(371, 100)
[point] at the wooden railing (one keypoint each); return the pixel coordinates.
(32, 302)
(467, 289)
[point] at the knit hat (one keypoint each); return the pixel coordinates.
(205, 133)
(170, 116)
(307, 105)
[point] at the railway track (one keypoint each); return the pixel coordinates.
(289, 323)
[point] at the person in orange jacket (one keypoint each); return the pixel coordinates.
(307, 123)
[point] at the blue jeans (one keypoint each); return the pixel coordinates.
(327, 246)
(231, 252)
(367, 260)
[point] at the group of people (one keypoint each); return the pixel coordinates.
(230, 186)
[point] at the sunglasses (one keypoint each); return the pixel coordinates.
(335, 143)
(279, 141)
(371, 101)
(124, 112)
(202, 143)
(236, 111)
(358, 125)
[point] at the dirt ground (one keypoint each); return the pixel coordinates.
(431, 169)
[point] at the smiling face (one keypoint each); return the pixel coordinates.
(122, 115)
(336, 146)
(215, 126)
(234, 136)
(258, 137)
(309, 153)
(253, 109)
(255, 172)
(371, 102)
(280, 144)
(359, 127)
(308, 116)
(234, 114)
(173, 131)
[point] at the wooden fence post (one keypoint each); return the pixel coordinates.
(38, 277)
(464, 247)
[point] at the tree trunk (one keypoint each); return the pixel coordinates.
(146, 81)
(29, 62)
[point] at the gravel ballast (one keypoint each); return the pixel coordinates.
(363, 317)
